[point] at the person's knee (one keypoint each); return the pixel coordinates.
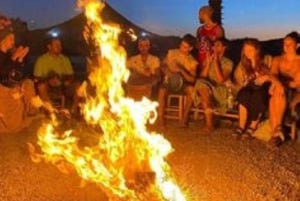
(189, 90)
(205, 94)
(28, 87)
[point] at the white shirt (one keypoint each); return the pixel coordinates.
(136, 63)
(175, 58)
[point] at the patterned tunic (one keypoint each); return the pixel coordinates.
(206, 38)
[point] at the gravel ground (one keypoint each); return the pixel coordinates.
(213, 167)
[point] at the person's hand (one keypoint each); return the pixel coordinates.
(86, 33)
(67, 82)
(17, 95)
(209, 58)
(49, 107)
(261, 79)
(19, 53)
(292, 84)
(215, 55)
(54, 82)
(36, 102)
(81, 90)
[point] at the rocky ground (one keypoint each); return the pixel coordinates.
(213, 167)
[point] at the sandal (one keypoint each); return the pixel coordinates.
(278, 137)
(278, 132)
(248, 133)
(238, 132)
(275, 141)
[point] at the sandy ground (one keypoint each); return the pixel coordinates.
(212, 167)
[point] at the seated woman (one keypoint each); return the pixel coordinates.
(17, 96)
(212, 85)
(254, 79)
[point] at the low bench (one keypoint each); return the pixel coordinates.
(175, 110)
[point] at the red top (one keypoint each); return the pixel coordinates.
(206, 38)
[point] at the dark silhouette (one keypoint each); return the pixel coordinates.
(217, 7)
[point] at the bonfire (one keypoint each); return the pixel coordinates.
(127, 161)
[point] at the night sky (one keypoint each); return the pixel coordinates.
(264, 19)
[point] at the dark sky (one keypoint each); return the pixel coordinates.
(264, 19)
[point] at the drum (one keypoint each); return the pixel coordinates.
(175, 82)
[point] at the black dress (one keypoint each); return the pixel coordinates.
(255, 98)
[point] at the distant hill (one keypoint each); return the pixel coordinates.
(71, 34)
(74, 44)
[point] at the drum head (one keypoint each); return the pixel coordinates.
(175, 82)
(15, 77)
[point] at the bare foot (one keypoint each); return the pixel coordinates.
(207, 130)
(183, 124)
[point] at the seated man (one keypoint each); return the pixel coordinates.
(180, 73)
(211, 87)
(144, 70)
(50, 63)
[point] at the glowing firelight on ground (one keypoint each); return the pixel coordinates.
(127, 162)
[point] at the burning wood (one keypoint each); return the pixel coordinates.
(126, 162)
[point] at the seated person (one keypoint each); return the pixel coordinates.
(256, 87)
(55, 89)
(54, 62)
(144, 69)
(286, 68)
(180, 73)
(212, 86)
(17, 95)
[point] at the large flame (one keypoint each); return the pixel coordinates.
(127, 162)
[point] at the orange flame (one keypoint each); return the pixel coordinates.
(128, 162)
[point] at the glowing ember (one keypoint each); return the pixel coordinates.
(127, 162)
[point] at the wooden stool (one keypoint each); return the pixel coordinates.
(175, 107)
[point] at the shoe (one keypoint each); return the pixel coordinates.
(275, 141)
(278, 132)
(238, 132)
(248, 133)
